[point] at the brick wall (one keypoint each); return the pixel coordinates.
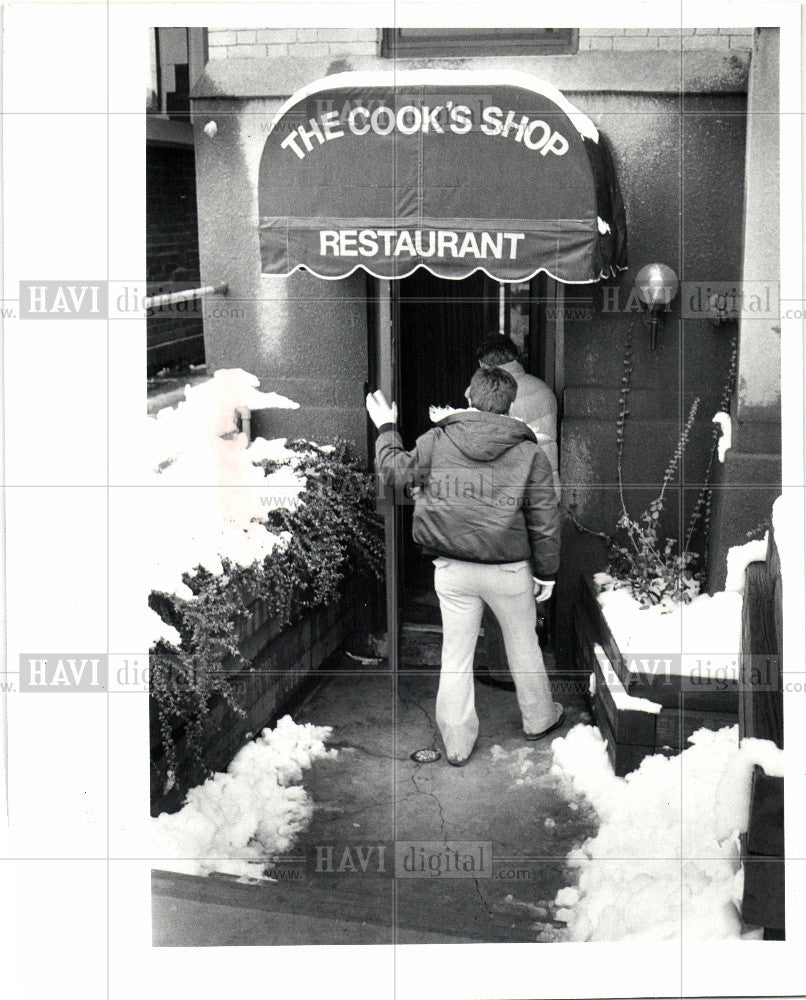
(175, 335)
(643, 39)
(256, 43)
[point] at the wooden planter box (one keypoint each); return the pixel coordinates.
(282, 659)
(761, 715)
(763, 899)
(632, 735)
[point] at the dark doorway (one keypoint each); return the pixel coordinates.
(424, 333)
(441, 324)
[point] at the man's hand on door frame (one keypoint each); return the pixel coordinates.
(381, 412)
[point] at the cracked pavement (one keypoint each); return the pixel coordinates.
(506, 797)
(370, 799)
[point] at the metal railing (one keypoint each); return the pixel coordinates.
(187, 295)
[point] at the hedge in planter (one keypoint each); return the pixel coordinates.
(334, 531)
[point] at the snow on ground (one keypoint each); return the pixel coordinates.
(665, 861)
(197, 444)
(520, 763)
(235, 821)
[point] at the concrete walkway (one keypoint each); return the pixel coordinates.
(515, 823)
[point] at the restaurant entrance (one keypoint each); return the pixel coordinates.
(427, 333)
(441, 324)
(478, 177)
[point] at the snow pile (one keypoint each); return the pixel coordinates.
(740, 557)
(207, 412)
(733, 791)
(235, 821)
(704, 634)
(274, 450)
(766, 754)
(198, 444)
(622, 700)
(665, 861)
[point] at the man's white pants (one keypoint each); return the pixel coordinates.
(463, 589)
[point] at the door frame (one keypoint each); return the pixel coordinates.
(384, 343)
(384, 346)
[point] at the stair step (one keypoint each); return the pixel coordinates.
(421, 645)
(411, 628)
(425, 628)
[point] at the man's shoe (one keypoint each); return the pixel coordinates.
(551, 728)
(458, 761)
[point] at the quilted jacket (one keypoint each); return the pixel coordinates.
(483, 490)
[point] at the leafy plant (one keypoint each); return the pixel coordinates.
(651, 567)
(334, 529)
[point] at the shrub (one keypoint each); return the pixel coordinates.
(334, 530)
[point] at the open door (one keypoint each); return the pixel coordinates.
(440, 325)
(424, 332)
(383, 374)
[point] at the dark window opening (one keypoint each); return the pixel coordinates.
(413, 42)
(178, 57)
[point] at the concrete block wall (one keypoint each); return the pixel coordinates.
(750, 478)
(286, 331)
(259, 43)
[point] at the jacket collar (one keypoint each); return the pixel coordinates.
(502, 422)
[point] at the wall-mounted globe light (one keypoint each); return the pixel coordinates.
(655, 287)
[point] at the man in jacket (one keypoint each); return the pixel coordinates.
(536, 405)
(486, 511)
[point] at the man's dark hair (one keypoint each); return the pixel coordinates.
(492, 390)
(497, 350)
